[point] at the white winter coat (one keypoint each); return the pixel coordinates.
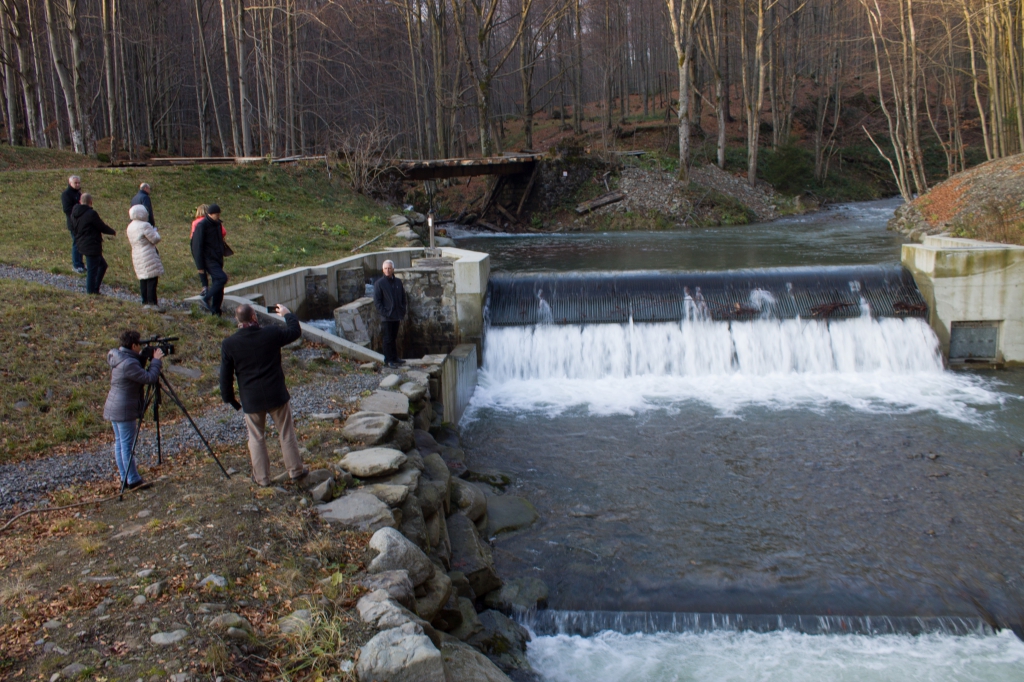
(143, 237)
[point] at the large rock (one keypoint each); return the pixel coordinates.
(507, 513)
(397, 584)
(381, 611)
(518, 596)
(439, 589)
(470, 625)
(386, 402)
(468, 499)
(391, 495)
(492, 477)
(503, 640)
(373, 462)
(371, 428)
(435, 486)
(466, 664)
(425, 443)
(413, 391)
(471, 556)
(413, 525)
(357, 511)
(396, 552)
(402, 654)
(461, 585)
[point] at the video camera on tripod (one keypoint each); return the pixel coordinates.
(152, 343)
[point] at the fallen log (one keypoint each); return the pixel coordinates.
(603, 200)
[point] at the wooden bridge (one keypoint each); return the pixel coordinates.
(437, 169)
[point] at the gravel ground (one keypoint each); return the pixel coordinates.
(759, 199)
(648, 192)
(77, 283)
(28, 482)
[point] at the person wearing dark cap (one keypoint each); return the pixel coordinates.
(208, 254)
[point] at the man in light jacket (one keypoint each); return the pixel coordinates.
(123, 408)
(142, 199)
(253, 354)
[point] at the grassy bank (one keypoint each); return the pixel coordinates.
(55, 373)
(276, 218)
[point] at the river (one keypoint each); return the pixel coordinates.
(771, 467)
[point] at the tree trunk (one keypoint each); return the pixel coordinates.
(74, 121)
(244, 105)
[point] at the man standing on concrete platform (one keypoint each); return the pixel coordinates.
(69, 199)
(142, 199)
(389, 298)
(253, 353)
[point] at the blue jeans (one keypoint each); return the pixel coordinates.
(97, 268)
(124, 438)
(76, 258)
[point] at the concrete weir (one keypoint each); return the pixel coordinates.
(975, 296)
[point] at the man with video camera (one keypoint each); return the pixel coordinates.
(253, 353)
(125, 400)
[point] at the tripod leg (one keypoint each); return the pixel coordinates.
(156, 418)
(195, 427)
(151, 392)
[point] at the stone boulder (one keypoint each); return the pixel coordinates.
(466, 664)
(402, 654)
(502, 640)
(397, 584)
(492, 477)
(438, 590)
(386, 402)
(506, 513)
(413, 391)
(370, 428)
(425, 443)
(471, 556)
(390, 381)
(468, 499)
(413, 525)
(401, 437)
(373, 462)
(470, 624)
(357, 511)
(381, 611)
(391, 495)
(358, 321)
(398, 220)
(396, 552)
(518, 596)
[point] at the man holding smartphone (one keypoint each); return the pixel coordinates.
(253, 354)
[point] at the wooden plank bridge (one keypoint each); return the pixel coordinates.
(437, 169)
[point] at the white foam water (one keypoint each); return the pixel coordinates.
(783, 655)
(877, 365)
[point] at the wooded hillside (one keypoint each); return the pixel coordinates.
(441, 78)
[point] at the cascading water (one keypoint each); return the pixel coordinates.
(852, 474)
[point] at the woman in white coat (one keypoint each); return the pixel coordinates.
(148, 267)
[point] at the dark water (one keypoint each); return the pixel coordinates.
(775, 507)
(852, 234)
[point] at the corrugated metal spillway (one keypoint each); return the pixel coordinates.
(782, 293)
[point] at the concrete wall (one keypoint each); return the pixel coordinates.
(458, 381)
(472, 272)
(966, 280)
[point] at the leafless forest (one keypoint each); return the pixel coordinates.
(441, 78)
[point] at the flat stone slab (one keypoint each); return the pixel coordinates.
(391, 495)
(369, 427)
(168, 638)
(413, 391)
(386, 402)
(373, 462)
(507, 513)
(358, 511)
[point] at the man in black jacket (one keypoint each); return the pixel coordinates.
(142, 199)
(69, 199)
(89, 229)
(253, 353)
(208, 254)
(389, 299)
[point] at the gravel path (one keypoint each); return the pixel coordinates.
(28, 482)
(77, 283)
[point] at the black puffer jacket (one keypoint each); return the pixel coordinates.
(88, 229)
(127, 379)
(68, 200)
(389, 298)
(208, 243)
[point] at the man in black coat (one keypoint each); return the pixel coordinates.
(69, 199)
(253, 353)
(389, 299)
(89, 229)
(208, 254)
(142, 199)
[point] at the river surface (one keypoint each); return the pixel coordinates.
(761, 467)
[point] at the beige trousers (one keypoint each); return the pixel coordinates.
(256, 423)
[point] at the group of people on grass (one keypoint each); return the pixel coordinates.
(87, 231)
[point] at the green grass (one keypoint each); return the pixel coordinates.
(54, 352)
(276, 218)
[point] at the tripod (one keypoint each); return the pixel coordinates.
(154, 397)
